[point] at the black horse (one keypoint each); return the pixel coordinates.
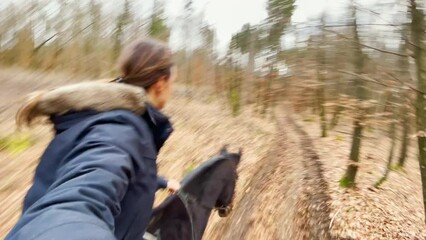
(184, 215)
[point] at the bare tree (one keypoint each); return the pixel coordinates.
(348, 179)
(418, 26)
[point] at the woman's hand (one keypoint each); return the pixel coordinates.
(173, 185)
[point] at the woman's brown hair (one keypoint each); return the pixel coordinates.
(143, 62)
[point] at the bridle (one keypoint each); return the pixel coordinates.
(186, 197)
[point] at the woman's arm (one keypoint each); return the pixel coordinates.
(87, 192)
(161, 182)
(171, 184)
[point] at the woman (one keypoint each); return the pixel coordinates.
(98, 176)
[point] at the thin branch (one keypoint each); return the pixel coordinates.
(75, 35)
(369, 79)
(367, 24)
(367, 46)
(346, 25)
(403, 83)
(44, 43)
(336, 26)
(379, 16)
(391, 24)
(383, 51)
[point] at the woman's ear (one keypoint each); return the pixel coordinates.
(159, 92)
(159, 85)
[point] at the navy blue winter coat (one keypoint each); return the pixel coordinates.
(97, 178)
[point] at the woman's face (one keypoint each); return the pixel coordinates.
(161, 91)
(168, 86)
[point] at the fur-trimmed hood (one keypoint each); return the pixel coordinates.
(98, 96)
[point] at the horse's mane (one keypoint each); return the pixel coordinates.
(203, 168)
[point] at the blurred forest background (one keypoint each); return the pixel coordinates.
(356, 80)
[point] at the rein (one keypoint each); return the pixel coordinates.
(184, 197)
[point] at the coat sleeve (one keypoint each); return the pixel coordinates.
(88, 190)
(161, 182)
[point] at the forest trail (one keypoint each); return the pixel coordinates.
(287, 195)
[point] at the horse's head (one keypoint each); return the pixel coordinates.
(224, 203)
(236, 157)
(212, 184)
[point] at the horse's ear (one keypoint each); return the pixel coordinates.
(240, 152)
(237, 156)
(224, 149)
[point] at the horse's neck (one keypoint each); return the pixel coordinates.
(200, 218)
(213, 186)
(201, 212)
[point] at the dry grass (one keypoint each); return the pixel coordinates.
(16, 169)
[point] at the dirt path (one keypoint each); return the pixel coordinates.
(315, 201)
(286, 198)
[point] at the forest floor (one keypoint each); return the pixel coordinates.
(288, 185)
(393, 211)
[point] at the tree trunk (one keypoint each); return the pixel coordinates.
(405, 139)
(380, 109)
(338, 108)
(266, 98)
(247, 87)
(235, 91)
(321, 101)
(188, 68)
(405, 110)
(336, 114)
(390, 157)
(314, 104)
(348, 179)
(418, 37)
(218, 88)
(321, 78)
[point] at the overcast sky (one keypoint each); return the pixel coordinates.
(228, 16)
